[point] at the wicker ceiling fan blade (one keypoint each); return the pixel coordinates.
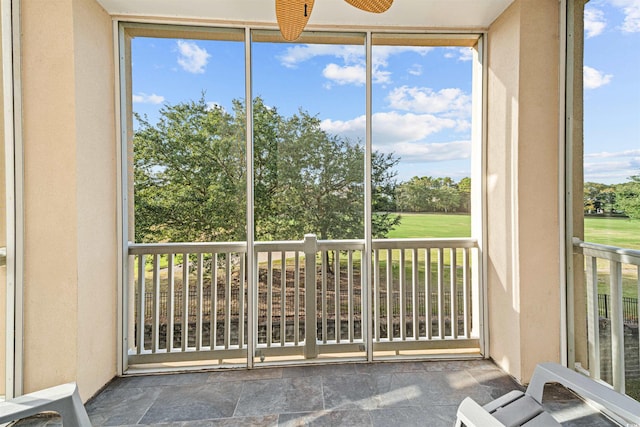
(375, 6)
(292, 16)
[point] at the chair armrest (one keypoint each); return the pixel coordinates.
(607, 399)
(473, 415)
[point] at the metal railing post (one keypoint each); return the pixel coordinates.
(310, 322)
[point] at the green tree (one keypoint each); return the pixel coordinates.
(429, 194)
(464, 187)
(190, 177)
(628, 197)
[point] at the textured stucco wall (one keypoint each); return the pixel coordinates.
(523, 233)
(69, 194)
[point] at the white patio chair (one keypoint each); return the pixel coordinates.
(525, 409)
(63, 399)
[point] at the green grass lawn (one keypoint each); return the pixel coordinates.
(432, 225)
(621, 232)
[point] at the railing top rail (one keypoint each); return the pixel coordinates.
(296, 245)
(189, 248)
(612, 253)
(424, 243)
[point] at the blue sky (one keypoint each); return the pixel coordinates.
(612, 90)
(421, 96)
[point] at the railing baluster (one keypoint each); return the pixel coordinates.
(376, 295)
(185, 301)
(617, 327)
(311, 323)
(323, 272)
(296, 303)
(593, 323)
(227, 308)
(171, 301)
(241, 314)
(466, 280)
(414, 294)
(453, 294)
(269, 298)
(214, 301)
(389, 295)
(283, 298)
(427, 293)
(350, 301)
(402, 297)
(155, 325)
(199, 289)
(336, 274)
(441, 330)
(141, 304)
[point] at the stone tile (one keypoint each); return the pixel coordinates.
(117, 406)
(458, 365)
(381, 368)
(494, 381)
(435, 388)
(319, 370)
(264, 421)
(244, 375)
(350, 392)
(144, 381)
(194, 402)
(325, 418)
(432, 416)
(264, 397)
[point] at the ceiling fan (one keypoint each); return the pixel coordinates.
(293, 15)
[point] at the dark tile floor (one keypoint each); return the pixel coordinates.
(380, 394)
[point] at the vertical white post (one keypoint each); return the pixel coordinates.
(170, 301)
(310, 322)
(252, 264)
(593, 324)
(368, 239)
(141, 304)
(617, 326)
(155, 325)
(199, 290)
(185, 301)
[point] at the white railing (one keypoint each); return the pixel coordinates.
(189, 301)
(617, 258)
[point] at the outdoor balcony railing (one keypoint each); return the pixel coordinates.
(190, 300)
(613, 269)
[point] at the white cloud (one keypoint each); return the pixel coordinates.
(297, 54)
(594, 22)
(461, 53)
(391, 128)
(417, 152)
(593, 78)
(611, 167)
(353, 57)
(353, 74)
(191, 57)
(143, 98)
(415, 70)
(608, 154)
(450, 101)
(348, 74)
(631, 10)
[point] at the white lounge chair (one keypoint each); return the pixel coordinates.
(63, 399)
(525, 409)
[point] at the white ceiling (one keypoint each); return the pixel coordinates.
(437, 14)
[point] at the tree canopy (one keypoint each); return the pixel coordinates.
(190, 177)
(429, 194)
